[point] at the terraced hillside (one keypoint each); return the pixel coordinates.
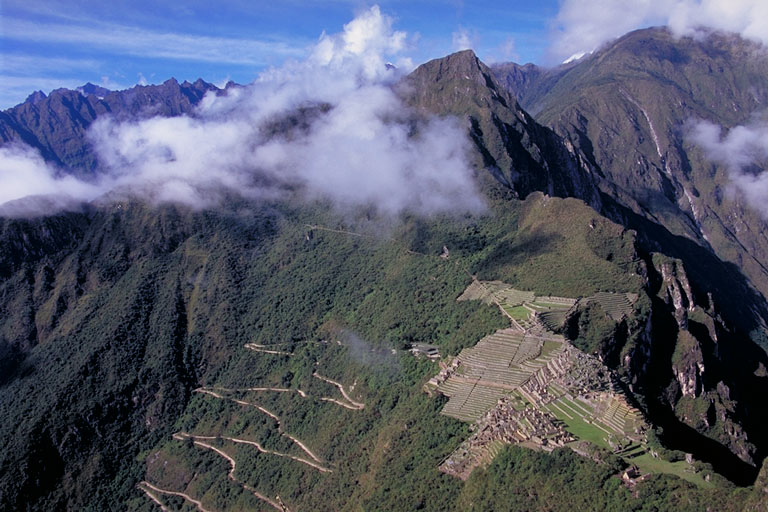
(617, 305)
(498, 364)
(157, 356)
(530, 386)
(524, 308)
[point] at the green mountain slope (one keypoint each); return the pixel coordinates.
(254, 355)
(460, 85)
(521, 154)
(628, 109)
(149, 308)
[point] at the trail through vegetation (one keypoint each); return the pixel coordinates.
(187, 497)
(268, 413)
(154, 498)
(356, 405)
(263, 349)
(233, 464)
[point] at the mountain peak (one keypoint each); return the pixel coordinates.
(455, 80)
(468, 54)
(462, 65)
(35, 97)
(517, 152)
(92, 89)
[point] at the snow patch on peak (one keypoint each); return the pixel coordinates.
(576, 56)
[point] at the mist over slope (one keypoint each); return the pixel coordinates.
(328, 127)
(56, 125)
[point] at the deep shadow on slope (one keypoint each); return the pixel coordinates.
(734, 359)
(107, 354)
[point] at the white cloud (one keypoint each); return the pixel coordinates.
(462, 40)
(141, 42)
(329, 127)
(744, 151)
(584, 25)
(23, 172)
(365, 43)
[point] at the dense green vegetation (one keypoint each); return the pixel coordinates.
(519, 479)
(591, 329)
(629, 108)
(140, 320)
(113, 318)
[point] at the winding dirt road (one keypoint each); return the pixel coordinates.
(233, 464)
(277, 390)
(154, 498)
(356, 405)
(268, 413)
(180, 435)
(342, 404)
(265, 350)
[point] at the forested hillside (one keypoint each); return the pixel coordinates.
(255, 353)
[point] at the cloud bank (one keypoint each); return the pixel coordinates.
(23, 172)
(584, 25)
(329, 127)
(744, 151)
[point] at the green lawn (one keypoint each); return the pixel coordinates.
(517, 312)
(649, 464)
(548, 347)
(646, 462)
(581, 411)
(582, 429)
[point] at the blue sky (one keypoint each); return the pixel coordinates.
(50, 44)
(46, 44)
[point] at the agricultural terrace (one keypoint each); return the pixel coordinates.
(617, 305)
(527, 385)
(483, 374)
(525, 309)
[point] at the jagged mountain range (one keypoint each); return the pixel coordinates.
(80, 288)
(56, 124)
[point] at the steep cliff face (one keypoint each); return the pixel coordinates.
(702, 369)
(519, 153)
(629, 108)
(135, 305)
(698, 377)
